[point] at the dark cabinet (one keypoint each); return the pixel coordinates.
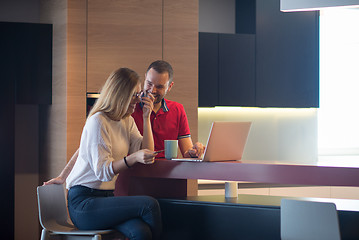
(278, 66)
(26, 81)
(26, 60)
(287, 57)
(208, 70)
(236, 70)
(226, 69)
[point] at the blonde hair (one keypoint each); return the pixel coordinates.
(116, 94)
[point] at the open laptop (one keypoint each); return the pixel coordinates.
(225, 142)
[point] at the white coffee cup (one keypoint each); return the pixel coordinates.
(171, 149)
(231, 189)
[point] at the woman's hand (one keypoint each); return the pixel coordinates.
(147, 105)
(143, 156)
(56, 180)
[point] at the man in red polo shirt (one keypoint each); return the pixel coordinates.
(168, 118)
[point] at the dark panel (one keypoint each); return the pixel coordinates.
(44, 143)
(7, 140)
(30, 46)
(27, 139)
(287, 57)
(348, 222)
(26, 76)
(248, 217)
(200, 220)
(208, 70)
(236, 70)
(246, 16)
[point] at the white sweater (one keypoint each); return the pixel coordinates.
(103, 141)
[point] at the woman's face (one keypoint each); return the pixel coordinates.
(135, 99)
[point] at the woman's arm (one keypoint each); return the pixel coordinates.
(147, 154)
(143, 156)
(65, 172)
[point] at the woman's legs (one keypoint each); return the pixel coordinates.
(135, 229)
(132, 215)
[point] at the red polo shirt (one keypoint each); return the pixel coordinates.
(169, 123)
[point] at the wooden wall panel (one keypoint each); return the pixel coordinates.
(180, 48)
(76, 73)
(122, 33)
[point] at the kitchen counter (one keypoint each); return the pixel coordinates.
(215, 217)
(166, 178)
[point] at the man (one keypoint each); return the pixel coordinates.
(168, 118)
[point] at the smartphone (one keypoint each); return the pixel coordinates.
(144, 94)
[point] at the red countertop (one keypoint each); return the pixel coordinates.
(261, 172)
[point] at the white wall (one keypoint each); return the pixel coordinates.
(283, 135)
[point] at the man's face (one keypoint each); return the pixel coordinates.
(157, 84)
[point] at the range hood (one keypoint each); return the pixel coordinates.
(314, 5)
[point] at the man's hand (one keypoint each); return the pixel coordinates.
(147, 105)
(197, 150)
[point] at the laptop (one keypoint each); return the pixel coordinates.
(226, 142)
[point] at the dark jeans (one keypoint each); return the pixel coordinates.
(137, 217)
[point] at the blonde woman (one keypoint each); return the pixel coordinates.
(111, 143)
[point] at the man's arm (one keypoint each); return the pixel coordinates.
(65, 172)
(147, 142)
(188, 149)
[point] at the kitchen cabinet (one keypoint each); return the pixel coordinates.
(287, 57)
(26, 81)
(26, 56)
(208, 70)
(226, 69)
(278, 66)
(236, 69)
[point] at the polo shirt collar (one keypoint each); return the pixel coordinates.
(163, 105)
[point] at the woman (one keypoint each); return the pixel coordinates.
(111, 143)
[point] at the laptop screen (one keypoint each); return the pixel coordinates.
(226, 141)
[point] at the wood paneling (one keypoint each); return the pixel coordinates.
(76, 73)
(122, 33)
(180, 48)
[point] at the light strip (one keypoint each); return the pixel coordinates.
(315, 5)
(93, 95)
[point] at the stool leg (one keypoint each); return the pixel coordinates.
(97, 237)
(45, 235)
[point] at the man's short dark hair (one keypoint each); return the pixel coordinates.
(162, 66)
